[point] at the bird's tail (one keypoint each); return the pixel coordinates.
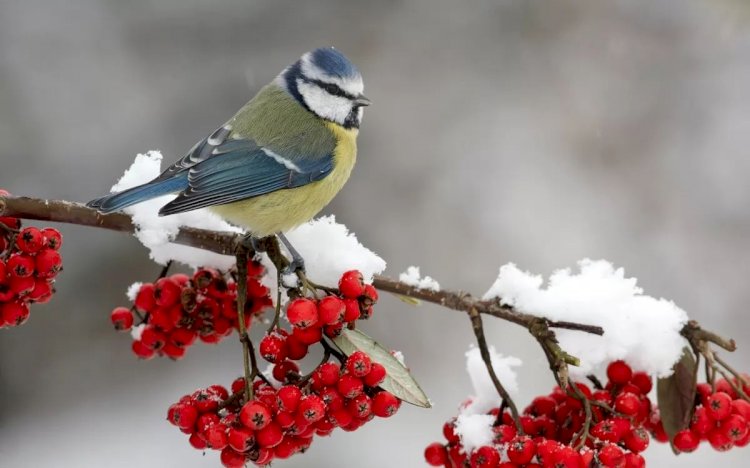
(135, 195)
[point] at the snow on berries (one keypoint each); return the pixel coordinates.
(29, 263)
(554, 432)
(177, 310)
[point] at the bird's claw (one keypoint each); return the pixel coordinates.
(251, 242)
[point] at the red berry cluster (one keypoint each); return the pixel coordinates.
(29, 262)
(311, 319)
(553, 426)
(279, 422)
(177, 310)
(721, 417)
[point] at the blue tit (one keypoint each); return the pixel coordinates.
(281, 158)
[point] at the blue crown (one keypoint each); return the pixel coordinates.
(333, 63)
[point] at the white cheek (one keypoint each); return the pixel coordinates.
(335, 108)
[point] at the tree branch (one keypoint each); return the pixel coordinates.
(227, 243)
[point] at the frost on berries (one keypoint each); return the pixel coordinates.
(29, 264)
(177, 310)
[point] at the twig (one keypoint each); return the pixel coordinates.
(476, 322)
(693, 332)
(248, 352)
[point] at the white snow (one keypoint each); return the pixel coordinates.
(640, 329)
(474, 430)
(136, 331)
(399, 357)
(473, 425)
(155, 232)
(329, 249)
(413, 278)
(133, 290)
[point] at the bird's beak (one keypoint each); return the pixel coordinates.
(362, 100)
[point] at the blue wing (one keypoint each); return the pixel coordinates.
(240, 169)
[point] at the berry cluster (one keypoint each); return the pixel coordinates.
(29, 262)
(554, 428)
(721, 417)
(279, 422)
(311, 319)
(177, 310)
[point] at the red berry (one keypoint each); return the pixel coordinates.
(142, 351)
(296, 349)
(350, 386)
(607, 431)
(611, 455)
(352, 284)
(182, 337)
(3, 269)
(352, 310)
(634, 460)
(145, 300)
(719, 440)
(122, 318)
(485, 457)
(643, 381)
(331, 397)
(167, 292)
(618, 372)
(340, 417)
(370, 295)
(308, 336)
(255, 415)
(20, 266)
(543, 406)
(48, 263)
(435, 454)
(719, 405)
(504, 433)
(311, 408)
(331, 310)
(332, 331)
(232, 459)
(14, 313)
(360, 406)
(285, 370)
(241, 439)
(521, 450)
(359, 364)
(325, 375)
(183, 415)
(375, 376)
(734, 426)
(288, 398)
(627, 404)
(52, 238)
(22, 286)
(384, 404)
(742, 408)
(686, 441)
(637, 440)
(30, 240)
(153, 338)
(701, 422)
(449, 432)
(197, 441)
(42, 291)
(302, 313)
(273, 347)
(216, 436)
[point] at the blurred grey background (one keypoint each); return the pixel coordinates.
(527, 131)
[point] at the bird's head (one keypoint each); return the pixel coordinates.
(326, 83)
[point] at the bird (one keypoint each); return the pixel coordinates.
(278, 161)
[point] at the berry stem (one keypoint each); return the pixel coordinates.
(248, 352)
(478, 327)
(277, 309)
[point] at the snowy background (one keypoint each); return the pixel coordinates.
(525, 131)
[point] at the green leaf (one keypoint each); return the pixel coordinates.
(398, 380)
(676, 394)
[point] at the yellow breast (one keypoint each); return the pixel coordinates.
(283, 210)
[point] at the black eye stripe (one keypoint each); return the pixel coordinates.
(333, 89)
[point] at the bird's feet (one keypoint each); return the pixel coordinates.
(251, 242)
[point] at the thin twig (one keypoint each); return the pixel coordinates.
(247, 346)
(476, 322)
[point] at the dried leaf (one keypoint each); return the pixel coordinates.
(398, 380)
(676, 394)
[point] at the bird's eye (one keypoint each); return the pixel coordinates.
(332, 88)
